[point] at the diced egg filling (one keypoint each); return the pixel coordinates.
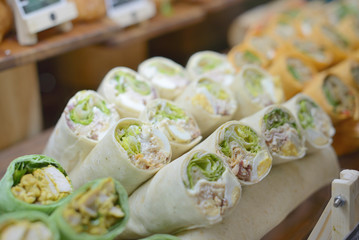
(335, 36)
(299, 70)
(24, 230)
(165, 75)
(260, 87)
(315, 122)
(339, 96)
(266, 45)
(311, 49)
(43, 186)
(89, 116)
(240, 146)
(131, 92)
(174, 123)
(354, 70)
(95, 210)
(145, 149)
(283, 140)
(213, 99)
(246, 57)
(204, 172)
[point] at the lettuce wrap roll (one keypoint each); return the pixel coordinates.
(264, 205)
(209, 102)
(85, 120)
(294, 71)
(34, 182)
(180, 127)
(96, 211)
(256, 89)
(128, 90)
(242, 149)
(211, 64)
(281, 132)
(315, 123)
(242, 55)
(131, 152)
(27, 225)
(337, 99)
(196, 190)
(168, 77)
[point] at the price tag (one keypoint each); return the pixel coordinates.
(128, 12)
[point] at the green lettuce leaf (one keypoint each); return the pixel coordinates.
(169, 111)
(304, 114)
(164, 68)
(125, 80)
(208, 166)
(214, 89)
(209, 63)
(254, 81)
(250, 57)
(127, 137)
(277, 117)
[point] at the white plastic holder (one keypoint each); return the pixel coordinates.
(29, 23)
(129, 12)
(341, 214)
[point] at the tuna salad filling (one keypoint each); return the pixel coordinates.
(339, 96)
(260, 86)
(145, 149)
(44, 185)
(281, 133)
(131, 90)
(95, 210)
(241, 147)
(87, 114)
(213, 98)
(299, 70)
(25, 230)
(173, 122)
(315, 122)
(203, 174)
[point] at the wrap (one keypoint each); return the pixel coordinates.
(349, 27)
(211, 64)
(337, 99)
(317, 54)
(131, 152)
(256, 89)
(281, 132)
(161, 237)
(209, 102)
(242, 149)
(315, 123)
(34, 182)
(179, 126)
(265, 45)
(348, 71)
(332, 39)
(243, 54)
(266, 204)
(128, 90)
(96, 211)
(306, 21)
(294, 71)
(168, 77)
(282, 28)
(196, 190)
(27, 225)
(85, 120)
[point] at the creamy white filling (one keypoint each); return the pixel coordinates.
(57, 179)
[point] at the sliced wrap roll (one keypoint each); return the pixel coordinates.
(294, 72)
(256, 89)
(96, 211)
(131, 152)
(209, 102)
(242, 149)
(243, 54)
(264, 205)
(179, 126)
(196, 190)
(34, 182)
(128, 90)
(315, 123)
(281, 132)
(168, 77)
(211, 64)
(265, 45)
(30, 225)
(337, 99)
(85, 120)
